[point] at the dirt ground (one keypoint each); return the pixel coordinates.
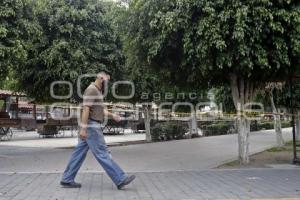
(269, 157)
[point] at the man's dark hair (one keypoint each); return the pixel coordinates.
(106, 71)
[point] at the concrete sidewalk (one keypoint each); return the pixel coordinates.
(176, 170)
(192, 185)
(196, 154)
(32, 139)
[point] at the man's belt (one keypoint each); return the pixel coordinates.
(98, 121)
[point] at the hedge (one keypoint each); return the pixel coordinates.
(168, 131)
(221, 128)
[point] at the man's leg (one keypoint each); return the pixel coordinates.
(76, 160)
(99, 149)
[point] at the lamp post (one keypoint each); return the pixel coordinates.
(296, 159)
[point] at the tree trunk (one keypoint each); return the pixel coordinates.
(147, 121)
(243, 92)
(297, 122)
(277, 122)
(243, 126)
(193, 126)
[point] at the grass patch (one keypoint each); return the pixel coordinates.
(289, 143)
(232, 164)
(275, 155)
(287, 147)
(277, 149)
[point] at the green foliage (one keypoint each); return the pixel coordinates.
(290, 91)
(219, 128)
(10, 82)
(74, 38)
(192, 41)
(287, 147)
(223, 96)
(133, 24)
(16, 29)
(265, 125)
(168, 131)
(283, 96)
(223, 128)
(143, 41)
(268, 125)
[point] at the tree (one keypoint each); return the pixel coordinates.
(292, 95)
(296, 104)
(270, 87)
(223, 96)
(288, 97)
(145, 79)
(136, 49)
(297, 125)
(240, 43)
(17, 31)
(75, 39)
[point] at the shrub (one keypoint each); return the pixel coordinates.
(254, 126)
(156, 133)
(285, 124)
(174, 130)
(265, 125)
(168, 131)
(221, 128)
(269, 125)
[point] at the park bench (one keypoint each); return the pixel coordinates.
(54, 127)
(6, 123)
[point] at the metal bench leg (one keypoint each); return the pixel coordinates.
(1, 133)
(9, 133)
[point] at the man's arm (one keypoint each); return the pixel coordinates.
(115, 117)
(84, 122)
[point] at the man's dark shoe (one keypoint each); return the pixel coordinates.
(127, 181)
(70, 185)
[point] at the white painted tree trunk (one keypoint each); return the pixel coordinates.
(147, 121)
(297, 122)
(193, 126)
(243, 126)
(277, 123)
(243, 92)
(278, 131)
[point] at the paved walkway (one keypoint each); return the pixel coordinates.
(177, 170)
(32, 139)
(195, 154)
(192, 185)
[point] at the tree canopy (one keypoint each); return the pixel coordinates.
(16, 32)
(71, 38)
(207, 39)
(216, 42)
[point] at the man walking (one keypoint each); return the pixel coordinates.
(91, 137)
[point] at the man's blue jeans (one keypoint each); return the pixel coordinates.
(95, 141)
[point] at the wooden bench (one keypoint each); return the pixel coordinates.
(6, 124)
(51, 127)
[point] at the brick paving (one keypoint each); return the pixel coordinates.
(176, 185)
